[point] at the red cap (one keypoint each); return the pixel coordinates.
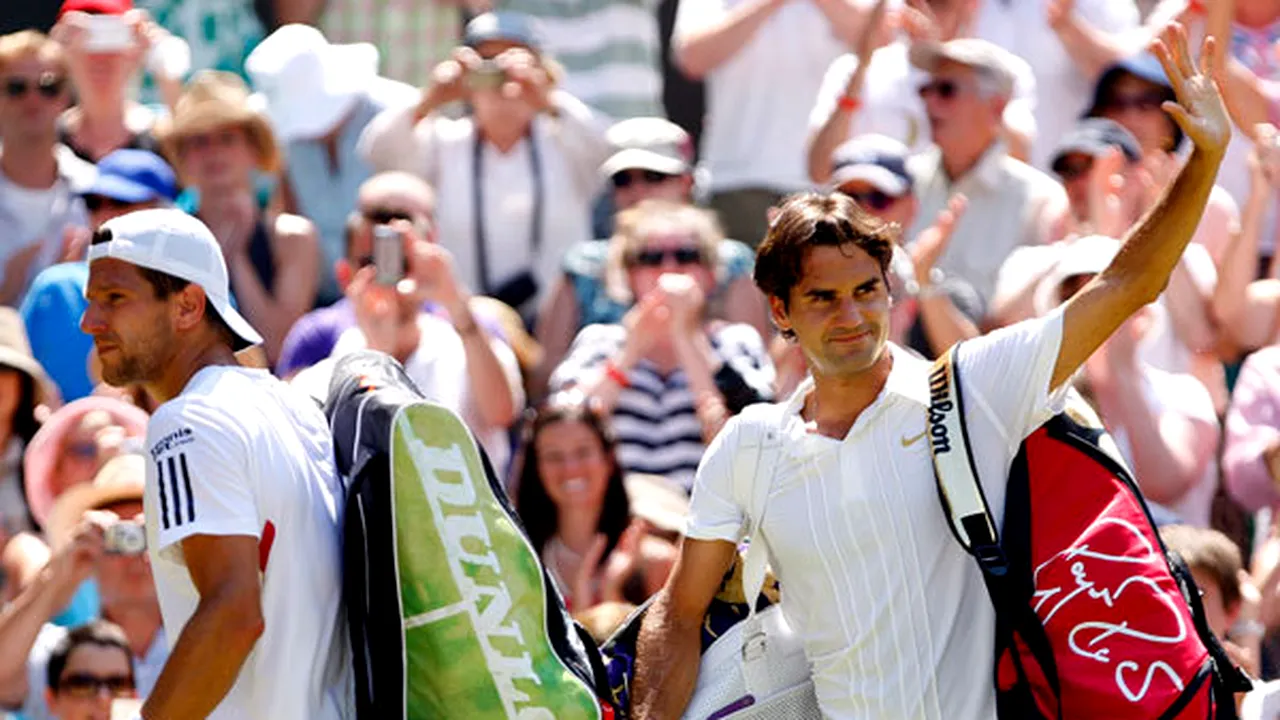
(96, 7)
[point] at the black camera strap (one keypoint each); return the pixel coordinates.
(477, 207)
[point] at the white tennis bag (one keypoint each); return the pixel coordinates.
(757, 669)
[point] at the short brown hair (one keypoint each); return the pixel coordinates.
(30, 42)
(1211, 552)
(166, 285)
(809, 220)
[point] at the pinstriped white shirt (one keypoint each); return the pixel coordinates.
(894, 616)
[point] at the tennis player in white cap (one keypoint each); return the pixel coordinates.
(243, 504)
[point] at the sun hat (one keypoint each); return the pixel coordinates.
(1093, 137)
(170, 241)
(648, 143)
(503, 26)
(45, 448)
(15, 352)
(213, 99)
(1086, 255)
(659, 501)
(307, 84)
(120, 479)
(985, 57)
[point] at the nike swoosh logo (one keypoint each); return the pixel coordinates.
(909, 441)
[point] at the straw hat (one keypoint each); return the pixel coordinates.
(15, 352)
(657, 500)
(43, 450)
(121, 479)
(214, 99)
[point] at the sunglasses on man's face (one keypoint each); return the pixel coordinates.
(1070, 170)
(626, 178)
(384, 216)
(85, 685)
(657, 257)
(1144, 102)
(94, 203)
(943, 89)
(48, 85)
(873, 199)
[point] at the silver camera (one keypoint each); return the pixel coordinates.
(125, 538)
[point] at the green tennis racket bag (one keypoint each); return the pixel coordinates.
(450, 612)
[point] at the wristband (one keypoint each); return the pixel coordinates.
(848, 104)
(614, 373)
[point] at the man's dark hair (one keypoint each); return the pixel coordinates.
(165, 285)
(95, 632)
(810, 220)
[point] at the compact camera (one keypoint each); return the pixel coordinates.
(125, 538)
(388, 255)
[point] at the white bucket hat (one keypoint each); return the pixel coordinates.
(304, 83)
(175, 243)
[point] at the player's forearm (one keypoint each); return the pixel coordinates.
(667, 661)
(1154, 246)
(205, 661)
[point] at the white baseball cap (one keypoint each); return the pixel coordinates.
(172, 242)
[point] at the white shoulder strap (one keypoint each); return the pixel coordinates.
(958, 484)
(755, 464)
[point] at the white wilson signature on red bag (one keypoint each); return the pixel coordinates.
(1083, 587)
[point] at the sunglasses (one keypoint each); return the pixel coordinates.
(1070, 170)
(1145, 102)
(94, 203)
(82, 450)
(48, 85)
(384, 216)
(873, 199)
(627, 178)
(943, 89)
(656, 258)
(84, 685)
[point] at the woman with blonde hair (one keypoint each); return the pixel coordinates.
(220, 144)
(667, 374)
(516, 176)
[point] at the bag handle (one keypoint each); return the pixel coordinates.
(959, 488)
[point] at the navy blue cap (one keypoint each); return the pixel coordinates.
(502, 25)
(134, 176)
(875, 159)
(1094, 136)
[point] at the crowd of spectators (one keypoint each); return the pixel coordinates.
(586, 185)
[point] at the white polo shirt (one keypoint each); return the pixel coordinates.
(894, 615)
(241, 453)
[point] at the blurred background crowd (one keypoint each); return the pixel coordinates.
(588, 181)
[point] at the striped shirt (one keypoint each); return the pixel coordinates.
(654, 419)
(894, 617)
(412, 36)
(609, 50)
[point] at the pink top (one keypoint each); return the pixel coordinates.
(1253, 424)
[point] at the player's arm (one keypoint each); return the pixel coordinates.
(1153, 247)
(216, 640)
(667, 651)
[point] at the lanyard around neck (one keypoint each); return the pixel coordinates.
(477, 205)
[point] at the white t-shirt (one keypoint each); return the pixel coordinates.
(894, 616)
(758, 100)
(241, 453)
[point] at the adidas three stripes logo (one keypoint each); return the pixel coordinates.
(175, 491)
